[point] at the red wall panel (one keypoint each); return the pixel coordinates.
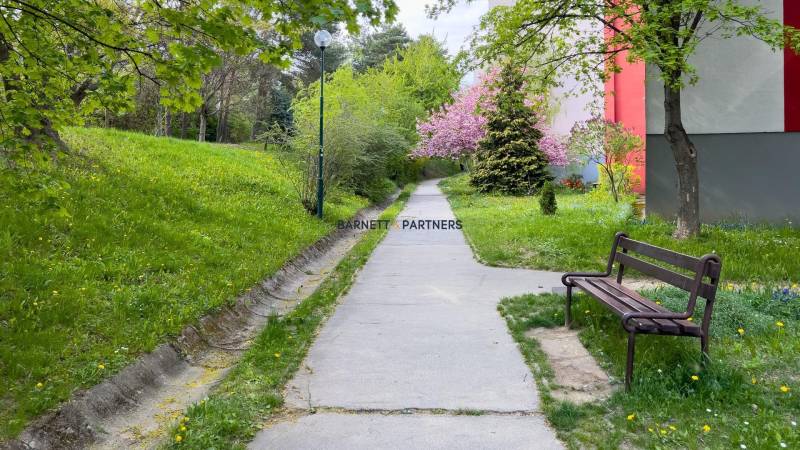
(791, 91)
(625, 103)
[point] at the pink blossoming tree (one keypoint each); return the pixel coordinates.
(454, 131)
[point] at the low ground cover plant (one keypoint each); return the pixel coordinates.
(745, 398)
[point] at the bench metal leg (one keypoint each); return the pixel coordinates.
(568, 310)
(629, 363)
(704, 350)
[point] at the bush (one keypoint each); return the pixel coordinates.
(547, 202)
(612, 147)
(377, 189)
(574, 182)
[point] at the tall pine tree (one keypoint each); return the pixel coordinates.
(508, 159)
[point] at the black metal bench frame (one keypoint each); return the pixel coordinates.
(639, 314)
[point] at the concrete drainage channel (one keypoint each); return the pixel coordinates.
(135, 407)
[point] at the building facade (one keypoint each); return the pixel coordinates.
(744, 118)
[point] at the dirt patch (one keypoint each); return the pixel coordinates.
(578, 377)
(136, 407)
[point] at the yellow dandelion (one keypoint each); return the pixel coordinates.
(101, 366)
(785, 389)
(184, 419)
(277, 354)
(754, 380)
(706, 428)
(794, 286)
(663, 431)
(39, 385)
(658, 302)
(183, 428)
(178, 438)
(690, 319)
(695, 378)
(740, 331)
(631, 416)
(672, 427)
(779, 324)
(650, 429)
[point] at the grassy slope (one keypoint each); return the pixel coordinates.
(511, 231)
(738, 396)
(103, 256)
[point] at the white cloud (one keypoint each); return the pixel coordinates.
(453, 28)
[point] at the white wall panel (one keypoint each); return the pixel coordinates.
(740, 88)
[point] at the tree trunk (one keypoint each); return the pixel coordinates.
(685, 154)
(184, 124)
(45, 136)
(201, 134)
(168, 124)
(224, 109)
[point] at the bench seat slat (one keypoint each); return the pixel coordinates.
(638, 303)
(683, 326)
(621, 300)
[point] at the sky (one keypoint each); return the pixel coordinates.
(454, 27)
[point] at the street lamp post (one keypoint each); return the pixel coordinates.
(323, 39)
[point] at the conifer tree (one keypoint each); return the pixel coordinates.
(508, 159)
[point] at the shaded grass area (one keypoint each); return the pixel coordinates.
(252, 391)
(125, 242)
(510, 231)
(747, 396)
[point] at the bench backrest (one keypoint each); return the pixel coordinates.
(704, 271)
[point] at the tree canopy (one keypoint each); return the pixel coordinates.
(60, 60)
(372, 49)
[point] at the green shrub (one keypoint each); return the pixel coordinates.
(377, 189)
(547, 202)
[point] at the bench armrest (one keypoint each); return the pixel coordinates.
(651, 315)
(565, 278)
(609, 267)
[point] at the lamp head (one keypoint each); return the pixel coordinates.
(323, 39)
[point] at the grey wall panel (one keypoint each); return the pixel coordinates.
(755, 177)
(740, 88)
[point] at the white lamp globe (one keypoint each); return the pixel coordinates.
(322, 38)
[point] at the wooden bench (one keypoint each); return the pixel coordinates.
(640, 314)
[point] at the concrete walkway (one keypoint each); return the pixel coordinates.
(416, 355)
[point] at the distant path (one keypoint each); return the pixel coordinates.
(416, 355)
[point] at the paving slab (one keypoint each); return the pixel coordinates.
(330, 431)
(419, 329)
(578, 377)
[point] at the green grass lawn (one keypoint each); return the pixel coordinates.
(746, 398)
(126, 242)
(510, 231)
